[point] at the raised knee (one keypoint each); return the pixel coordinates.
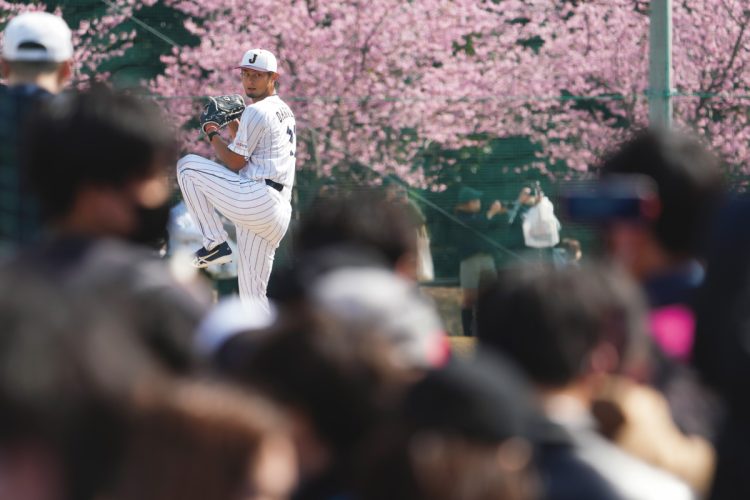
(185, 160)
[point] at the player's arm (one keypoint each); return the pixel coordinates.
(247, 133)
(229, 158)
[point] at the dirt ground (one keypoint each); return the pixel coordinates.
(448, 301)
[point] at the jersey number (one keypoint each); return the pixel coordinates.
(290, 131)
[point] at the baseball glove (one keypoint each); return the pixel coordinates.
(221, 110)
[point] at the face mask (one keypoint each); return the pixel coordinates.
(151, 229)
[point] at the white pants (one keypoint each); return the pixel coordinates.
(260, 213)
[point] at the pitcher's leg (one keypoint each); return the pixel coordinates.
(254, 265)
(197, 176)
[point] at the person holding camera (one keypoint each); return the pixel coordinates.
(474, 250)
(660, 245)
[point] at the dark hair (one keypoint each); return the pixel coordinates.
(722, 327)
(68, 374)
(31, 69)
(688, 180)
(722, 352)
(445, 441)
(436, 466)
(196, 440)
(363, 218)
(342, 382)
(549, 320)
(571, 246)
(97, 137)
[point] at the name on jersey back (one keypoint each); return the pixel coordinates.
(284, 113)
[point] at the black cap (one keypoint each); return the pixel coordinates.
(482, 398)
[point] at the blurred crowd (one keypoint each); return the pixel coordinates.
(122, 377)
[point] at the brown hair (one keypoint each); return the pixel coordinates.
(199, 441)
(439, 466)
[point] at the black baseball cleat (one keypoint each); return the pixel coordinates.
(220, 254)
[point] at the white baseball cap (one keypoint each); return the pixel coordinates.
(260, 60)
(231, 317)
(374, 300)
(37, 36)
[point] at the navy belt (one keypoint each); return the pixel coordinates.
(277, 186)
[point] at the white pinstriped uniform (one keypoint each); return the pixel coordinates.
(266, 138)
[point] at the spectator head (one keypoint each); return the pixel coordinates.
(361, 219)
(526, 195)
(336, 385)
(461, 434)
(572, 249)
(205, 440)
(68, 374)
(98, 160)
(469, 200)
(394, 190)
(37, 49)
(562, 325)
(229, 317)
(689, 185)
(376, 302)
(482, 399)
(567, 253)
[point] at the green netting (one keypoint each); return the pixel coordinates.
(499, 167)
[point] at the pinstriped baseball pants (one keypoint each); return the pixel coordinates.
(260, 213)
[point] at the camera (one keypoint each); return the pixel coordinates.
(614, 197)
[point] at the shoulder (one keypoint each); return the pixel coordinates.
(255, 113)
(19, 97)
(630, 476)
(271, 110)
(284, 109)
(279, 102)
(274, 106)
(117, 266)
(469, 216)
(266, 111)
(28, 92)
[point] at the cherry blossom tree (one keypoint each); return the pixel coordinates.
(371, 82)
(375, 82)
(713, 74)
(600, 51)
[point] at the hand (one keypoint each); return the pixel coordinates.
(210, 127)
(640, 421)
(495, 209)
(233, 126)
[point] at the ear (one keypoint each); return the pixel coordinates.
(604, 358)
(406, 266)
(65, 72)
(514, 455)
(151, 192)
(101, 210)
(633, 246)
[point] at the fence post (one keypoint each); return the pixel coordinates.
(660, 64)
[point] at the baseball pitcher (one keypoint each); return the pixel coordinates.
(252, 184)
